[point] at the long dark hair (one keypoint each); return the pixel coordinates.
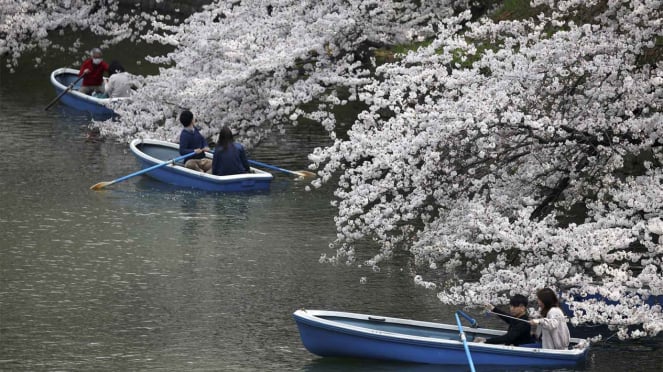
(549, 300)
(225, 139)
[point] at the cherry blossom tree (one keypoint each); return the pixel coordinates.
(254, 65)
(25, 24)
(509, 156)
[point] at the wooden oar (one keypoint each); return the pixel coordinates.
(64, 92)
(294, 173)
(101, 185)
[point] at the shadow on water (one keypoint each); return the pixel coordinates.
(359, 365)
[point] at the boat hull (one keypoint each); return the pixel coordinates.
(152, 152)
(97, 107)
(340, 334)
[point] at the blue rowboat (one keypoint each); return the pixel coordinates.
(591, 329)
(97, 107)
(150, 152)
(342, 334)
(650, 300)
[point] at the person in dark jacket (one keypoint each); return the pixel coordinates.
(519, 329)
(192, 141)
(229, 156)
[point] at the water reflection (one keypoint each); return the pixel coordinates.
(340, 364)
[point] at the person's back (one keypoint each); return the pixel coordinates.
(229, 156)
(553, 330)
(119, 85)
(192, 141)
(552, 327)
(190, 137)
(119, 81)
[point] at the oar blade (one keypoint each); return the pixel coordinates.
(100, 185)
(306, 174)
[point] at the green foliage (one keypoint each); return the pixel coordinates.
(393, 53)
(515, 9)
(652, 56)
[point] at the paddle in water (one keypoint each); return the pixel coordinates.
(101, 185)
(301, 173)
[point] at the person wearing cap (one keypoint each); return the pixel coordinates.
(519, 329)
(92, 71)
(229, 156)
(192, 141)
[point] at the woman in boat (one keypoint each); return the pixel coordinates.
(519, 331)
(552, 327)
(119, 81)
(229, 156)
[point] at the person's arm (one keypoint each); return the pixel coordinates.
(111, 86)
(500, 312)
(216, 162)
(85, 68)
(205, 146)
(133, 83)
(516, 332)
(186, 146)
(243, 159)
(554, 319)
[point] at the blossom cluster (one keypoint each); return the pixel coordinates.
(509, 156)
(28, 25)
(254, 65)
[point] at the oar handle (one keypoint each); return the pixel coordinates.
(101, 185)
(148, 169)
(473, 322)
(64, 92)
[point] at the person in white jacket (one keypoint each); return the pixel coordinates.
(120, 82)
(552, 327)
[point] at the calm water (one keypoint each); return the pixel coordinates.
(147, 277)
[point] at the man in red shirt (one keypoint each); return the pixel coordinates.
(93, 68)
